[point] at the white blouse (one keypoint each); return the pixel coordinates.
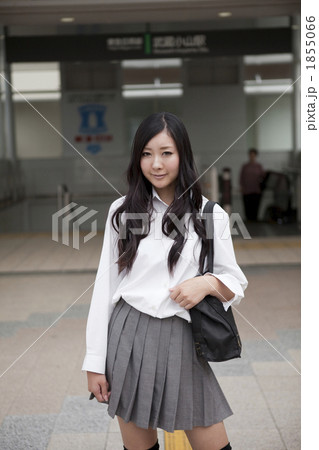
(146, 286)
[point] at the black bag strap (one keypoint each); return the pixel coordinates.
(209, 224)
(195, 313)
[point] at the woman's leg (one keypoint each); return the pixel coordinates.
(208, 438)
(135, 438)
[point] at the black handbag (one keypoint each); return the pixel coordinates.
(214, 329)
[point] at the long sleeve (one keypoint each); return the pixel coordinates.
(226, 268)
(106, 282)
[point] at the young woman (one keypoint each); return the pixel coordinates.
(140, 355)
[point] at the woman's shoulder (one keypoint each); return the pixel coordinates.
(217, 207)
(116, 204)
(220, 218)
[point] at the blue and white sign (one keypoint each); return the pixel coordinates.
(92, 123)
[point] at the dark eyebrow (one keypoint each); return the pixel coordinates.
(161, 148)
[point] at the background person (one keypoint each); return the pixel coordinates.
(251, 177)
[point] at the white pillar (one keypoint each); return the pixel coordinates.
(213, 182)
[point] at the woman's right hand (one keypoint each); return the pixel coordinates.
(98, 385)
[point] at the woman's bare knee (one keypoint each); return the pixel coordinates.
(208, 438)
(136, 438)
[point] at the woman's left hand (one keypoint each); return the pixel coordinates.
(190, 292)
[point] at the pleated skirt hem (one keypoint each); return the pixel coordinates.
(155, 376)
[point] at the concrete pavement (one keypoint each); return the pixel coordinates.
(45, 293)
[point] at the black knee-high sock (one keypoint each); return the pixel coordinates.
(228, 447)
(156, 447)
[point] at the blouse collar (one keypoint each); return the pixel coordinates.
(155, 195)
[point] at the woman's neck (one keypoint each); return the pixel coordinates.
(166, 197)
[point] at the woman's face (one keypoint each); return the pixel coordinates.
(160, 164)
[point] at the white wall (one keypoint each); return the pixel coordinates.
(35, 138)
(215, 117)
(273, 131)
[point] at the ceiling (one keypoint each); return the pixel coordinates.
(50, 12)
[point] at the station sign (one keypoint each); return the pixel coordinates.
(160, 45)
(148, 45)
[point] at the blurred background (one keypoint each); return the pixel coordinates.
(93, 70)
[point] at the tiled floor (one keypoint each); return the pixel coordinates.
(44, 399)
(37, 252)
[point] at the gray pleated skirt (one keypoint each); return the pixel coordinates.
(155, 376)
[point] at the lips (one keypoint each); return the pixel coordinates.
(159, 177)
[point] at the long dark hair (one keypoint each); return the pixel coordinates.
(138, 198)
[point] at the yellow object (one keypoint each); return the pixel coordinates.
(176, 441)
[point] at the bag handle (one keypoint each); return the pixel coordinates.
(209, 225)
